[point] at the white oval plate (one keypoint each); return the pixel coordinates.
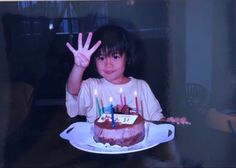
(80, 135)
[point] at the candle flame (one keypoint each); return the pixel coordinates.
(95, 92)
(110, 99)
(121, 90)
(135, 93)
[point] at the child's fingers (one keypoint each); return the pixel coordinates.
(183, 120)
(177, 120)
(170, 119)
(88, 41)
(95, 47)
(70, 48)
(80, 45)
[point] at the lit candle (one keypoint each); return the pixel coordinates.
(96, 96)
(136, 101)
(112, 114)
(121, 100)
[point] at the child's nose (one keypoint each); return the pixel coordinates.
(108, 61)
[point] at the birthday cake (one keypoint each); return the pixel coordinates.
(126, 129)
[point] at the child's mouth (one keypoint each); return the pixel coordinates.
(108, 72)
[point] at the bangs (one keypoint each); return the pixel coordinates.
(114, 39)
(106, 50)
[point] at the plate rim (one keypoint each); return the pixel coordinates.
(92, 149)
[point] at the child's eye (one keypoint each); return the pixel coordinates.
(116, 56)
(101, 58)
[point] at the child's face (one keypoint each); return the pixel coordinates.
(112, 67)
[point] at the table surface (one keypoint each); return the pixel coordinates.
(36, 143)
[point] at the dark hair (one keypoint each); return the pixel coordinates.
(114, 39)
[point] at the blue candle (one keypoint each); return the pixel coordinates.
(112, 114)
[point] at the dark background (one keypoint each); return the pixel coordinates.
(38, 55)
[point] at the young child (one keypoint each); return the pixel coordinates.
(111, 51)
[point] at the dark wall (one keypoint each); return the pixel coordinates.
(38, 56)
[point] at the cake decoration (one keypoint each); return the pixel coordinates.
(119, 118)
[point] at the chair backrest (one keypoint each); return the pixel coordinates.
(195, 97)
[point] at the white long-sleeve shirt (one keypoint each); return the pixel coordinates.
(86, 102)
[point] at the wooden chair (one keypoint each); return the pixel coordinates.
(195, 97)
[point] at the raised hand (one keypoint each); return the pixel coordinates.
(83, 54)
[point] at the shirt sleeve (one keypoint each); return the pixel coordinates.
(71, 104)
(153, 106)
(78, 104)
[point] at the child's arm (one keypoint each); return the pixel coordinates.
(81, 61)
(177, 120)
